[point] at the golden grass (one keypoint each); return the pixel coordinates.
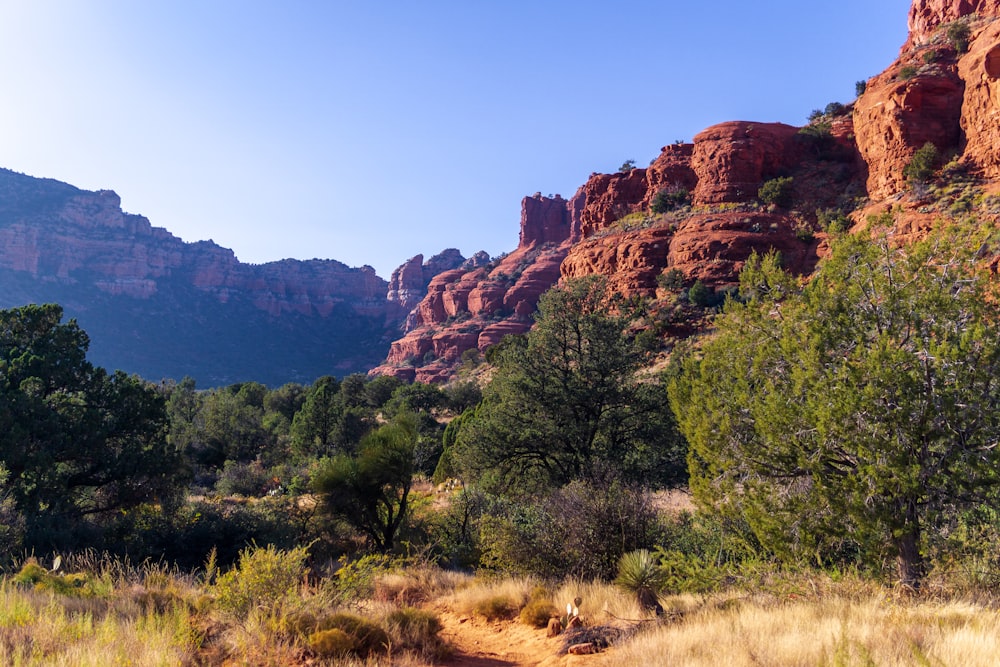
(36, 629)
(478, 593)
(835, 631)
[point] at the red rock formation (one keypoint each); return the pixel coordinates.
(980, 120)
(631, 260)
(670, 170)
(927, 16)
(473, 307)
(712, 247)
(731, 160)
(609, 197)
(544, 220)
(88, 238)
(408, 283)
(897, 115)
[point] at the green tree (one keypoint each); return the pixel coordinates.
(921, 166)
(370, 490)
(75, 441)
(863, 409)
(566, 403)
(233, 419)
(777, 191)
(316, 425)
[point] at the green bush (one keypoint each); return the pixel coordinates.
(692, 573)
(367, 636)
(539, 609)
(580, 530)
(922, 165)
(263, 579)
(331, 643)
(958, 36)
(860, 87)
(78, 585)
(700, 294)
(670, 198)
(907, 72)
(497, 607)
(627, 166)
(639, 573)
(671, 280)
(832, 221)
(414, 628)
(777, 191)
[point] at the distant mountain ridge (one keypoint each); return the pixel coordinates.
(162, 308)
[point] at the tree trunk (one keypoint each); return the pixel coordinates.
(909, 561)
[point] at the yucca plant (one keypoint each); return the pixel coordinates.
(639, 573)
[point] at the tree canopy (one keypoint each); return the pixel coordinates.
(566, 403)
(370, 490)
(74, 440)
(859, 412)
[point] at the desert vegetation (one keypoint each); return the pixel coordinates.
(811, 483)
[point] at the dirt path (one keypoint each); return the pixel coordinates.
(479, 643)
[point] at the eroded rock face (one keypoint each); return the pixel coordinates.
(671, 170)
(631, 261)
(730, 160)
(88, 239)
(608, 197)
(927, 16)
(979, 69)
(163, 308)
(713, 247)
(897, 115)
(408, 283)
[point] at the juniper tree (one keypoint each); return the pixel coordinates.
(864, 408)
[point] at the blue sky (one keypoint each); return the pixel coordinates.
(368, 132)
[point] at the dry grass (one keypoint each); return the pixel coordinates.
(483, 594)
(37, 629)
(835, 630)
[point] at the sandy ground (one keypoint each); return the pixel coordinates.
(479, 643)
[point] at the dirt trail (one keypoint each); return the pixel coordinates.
(479, 643)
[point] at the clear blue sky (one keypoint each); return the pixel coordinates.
(371, 131)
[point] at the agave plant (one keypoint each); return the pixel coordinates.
(639, 572)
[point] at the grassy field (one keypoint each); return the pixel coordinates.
(269, 611)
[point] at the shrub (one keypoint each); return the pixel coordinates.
(835, 109)
(700, 294)
(777, 191)
(860, 87)
(331, 643)
(671, 280)
(367, 637)
(414, 628)
(539, 609)
(639, 573)
(496, 607)
(580, 530)
(670, 198)
(907, 72)
(263, 579)
(77, 585)
(921, 167)
(833, 221)
(627, 166)
(244, 479)
(958, 36)
(804, 233)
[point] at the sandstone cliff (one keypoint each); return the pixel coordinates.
(138, 290)
(943, 89)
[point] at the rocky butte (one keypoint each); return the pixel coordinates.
(695, 213)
